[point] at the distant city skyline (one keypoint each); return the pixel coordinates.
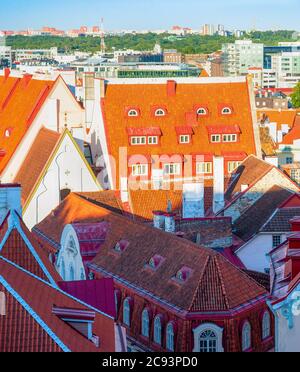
(150, 14)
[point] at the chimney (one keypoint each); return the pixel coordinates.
(26, 79)
(170, 225)
(6, 73)
(193, 200)
(124, 190)
(218, 198)
(10, 199)
(2, 304)
(171, 88)
(102, 88)
(159, 220)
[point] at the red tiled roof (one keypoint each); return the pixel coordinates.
(36, 161)
(20, 101)
(215, 284)
(181, 112)
(20, 331)
(279, 117)
(294, 133)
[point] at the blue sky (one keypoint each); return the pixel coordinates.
(144, 14)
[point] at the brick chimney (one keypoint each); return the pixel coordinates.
(10, 199)
(218, 199)
(170, 224)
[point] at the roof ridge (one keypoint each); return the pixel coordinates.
(223, 288)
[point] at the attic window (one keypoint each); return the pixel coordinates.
(8, 132)
(155, 262)
(160, 112)
(183, 275)
(226, 111)
(201, 111)
(121, 246)
(133, 113)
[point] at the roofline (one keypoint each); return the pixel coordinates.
(57, 288)
(35, 316)
(48, 163)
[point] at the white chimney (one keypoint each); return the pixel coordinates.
(159, 220)
(10, 199)
(218, 200)
(124, 190)
(193, 200)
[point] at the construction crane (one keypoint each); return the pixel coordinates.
(103, 46)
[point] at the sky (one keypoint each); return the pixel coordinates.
(149, 14)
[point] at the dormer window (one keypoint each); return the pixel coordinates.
(121, 246)
(138, 140)
(155, 262)
(226, 111)
(184, 139)
(8, 132)
(202, 111)
(183, 275)
(160, 112)
(133, 113)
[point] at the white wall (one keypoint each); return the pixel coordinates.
(67, 170)
(254, 254)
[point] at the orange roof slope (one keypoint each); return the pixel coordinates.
(36, 160)
(294, 133)
(20, 101)
(279, 117)
(180, 108)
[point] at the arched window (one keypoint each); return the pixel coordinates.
(226, 111)
(63, 269)
(116, 302)
(126, 313)
(133, 113)
(72, 273)
(266, 325)
(208, 342)
(170, 339)
(160, 112)
(145, 323)
(246, 336)
(82, 274)
(157, 330)
(201, 111)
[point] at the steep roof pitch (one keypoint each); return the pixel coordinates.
(108, 199)
(247, 173)
(30, 325)
(294, 133)
(20, 101)
(144, 243)
(36, 160)
(280, 221)
(181, 111)
(278, 116)
(258, 214)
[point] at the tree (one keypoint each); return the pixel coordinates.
(296, 96)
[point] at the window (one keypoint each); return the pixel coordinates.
(145, 323)
(184, 139)
(215, 138)
(208, 342)
(63, 269)
(266, 326)
(133, 113)
(157, 331)
(88, 153)
(229, 138)
(201, 111)
(276, 240)
(126, 313)
(184, 274)
(295, 175)
(153, 140)
(72, 273)
(233, 165)
(2, 304)
(138, 140)
(204, 168)
(140, 170)
(246, 337)
(116, 293)
(172, 169)
(289, 160)
(170, 339)
(160, 112)
(226, 111)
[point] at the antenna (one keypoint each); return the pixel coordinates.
(103, 46)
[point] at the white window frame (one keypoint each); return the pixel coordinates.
(233, 165)
(145, 323)
(139, 170)
(138, 140)
(160, 112)
(201, 111)
(246, 336)
(184, 138)
(153, 140)
(229, 138)
(176, 169)
(226, 111)
(133, 113)
(266, 325)
(215, 138)
(218, 331)
(204, 167)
